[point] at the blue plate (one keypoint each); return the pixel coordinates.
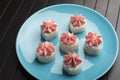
(29, 37)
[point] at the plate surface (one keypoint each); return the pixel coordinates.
(29, 36)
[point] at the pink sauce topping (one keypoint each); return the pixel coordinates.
(93, 39)
(49, 26)
(72, 59)
(45, 49)
(68, 38)
(77, 20)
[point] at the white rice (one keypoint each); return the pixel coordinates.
(77, 29)
(49, 36)
(92, 50)
(45, 59)
(71, 48)
(72, 71)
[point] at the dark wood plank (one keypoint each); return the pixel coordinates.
(115, 20)
(21, 74)
(64, 1)
(3, 6)
(9, 66)
(112, 12)
(53, 2)
(37, 6)
(118, 20)
(101, 6)
(7, 17)
(10, 37)
(80, 2)
(115, 71)
(30, 8)
(5, 45)
(90, 3)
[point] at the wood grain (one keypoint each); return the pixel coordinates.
(3, 6)
(80, 2)
(5, 45)
(102, 6)
(90, 3)
(6, 18)
(112, 12)
(115, 70)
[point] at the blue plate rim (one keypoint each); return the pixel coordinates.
(75, 5)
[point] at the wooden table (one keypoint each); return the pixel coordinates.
(14, 12)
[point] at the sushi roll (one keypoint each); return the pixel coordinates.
(72, 63)
(45, 52)
(93, 44)
(77, 23)
(49, 30)
(68, 42)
